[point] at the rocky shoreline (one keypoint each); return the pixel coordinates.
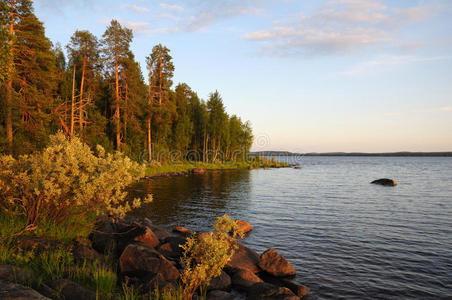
(148, 256)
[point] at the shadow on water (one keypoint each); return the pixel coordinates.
(194, 200)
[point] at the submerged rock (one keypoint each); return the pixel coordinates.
(243, 226)
(274, 264)
(385, 182)
(267, 291)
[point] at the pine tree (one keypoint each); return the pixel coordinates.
(116, 42)
(161, 68)
(83, 51)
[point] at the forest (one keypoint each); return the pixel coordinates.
(97, 92)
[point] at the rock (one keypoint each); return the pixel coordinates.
(244, 279)
(250, 167)
(198, 171)
(274, 264)
(139, 260)
(222, 282)
(148, 237)
(83, 252)
(103, 237)
(277, 166)
(182, 230)
(72, 291)
(219, 295)
(170, 247)
(161, 233)
(385, 182)
(15, 274)
(48, 292)
(298, 289)
(297, 167)
(14, 291)
(244, 226)
(267, 291)
(243, 258)
(158, 281)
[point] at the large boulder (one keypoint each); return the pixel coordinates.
(72, 291)
(267, 291)
(274, 264)
(82, 251)
(385, 182)
(222, 282)
(14, 291)
(140, 260)
(243, 226)
(103, 238)
(244, 258)
(219, 295)
(244, 279)
(148, 237)
(298, 289)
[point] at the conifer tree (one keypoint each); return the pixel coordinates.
(116, 42)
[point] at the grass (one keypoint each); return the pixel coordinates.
(186, 166)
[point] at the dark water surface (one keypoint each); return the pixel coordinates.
(345, 237)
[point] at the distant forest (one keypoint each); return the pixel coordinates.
(98, 92)
(286, 153)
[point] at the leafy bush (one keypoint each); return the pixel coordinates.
(67, 180)
(206, 255)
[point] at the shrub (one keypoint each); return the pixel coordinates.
(67, 180)
(206, 255)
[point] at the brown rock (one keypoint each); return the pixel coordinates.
(38, 243)
(219, 295)
(244, 258)
(139, 259)
(297, 167)
(14, 291)
(103, 238)
(273, 263)
(244, 279)
(198, 171)
(182, 230)
(82, 252)
(222, 282)
(72, 291)
(267, 291)
(244, 226)
(148, 238)
(170, 247)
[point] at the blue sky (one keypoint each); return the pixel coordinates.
(311, 75)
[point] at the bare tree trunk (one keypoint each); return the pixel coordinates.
(126, 112)
(72, 105)
(117, 113)
(160, 81)
(148, 121)
(80, 113)
(9, 86)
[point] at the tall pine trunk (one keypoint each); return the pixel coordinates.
(73, 105)
(80, 113)
(9, 86)
(117, 113)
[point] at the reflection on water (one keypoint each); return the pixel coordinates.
(345, 237)
(195, 200)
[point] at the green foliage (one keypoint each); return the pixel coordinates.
(206, 255)
(66, 180)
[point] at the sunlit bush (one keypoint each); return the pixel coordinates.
(67, 180)
(206, 255)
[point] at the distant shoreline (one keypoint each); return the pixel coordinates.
(388, 154)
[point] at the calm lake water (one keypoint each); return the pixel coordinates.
(345, 237)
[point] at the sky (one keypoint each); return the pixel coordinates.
(310, 75)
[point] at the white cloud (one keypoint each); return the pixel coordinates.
(138, 9)
(339, 27)
(388, 62)
(173, 7)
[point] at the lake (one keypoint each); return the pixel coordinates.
(345, 237)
